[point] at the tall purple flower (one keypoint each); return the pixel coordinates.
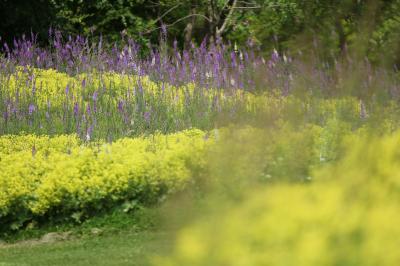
(120, 106)
(31, 109)
(94, 97)
(89, 133)
(88, 110)
(233, 59)
(275, 56)
(5, 115)
(76, 109)
(147, 117)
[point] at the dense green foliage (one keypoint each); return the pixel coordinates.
(334, 26)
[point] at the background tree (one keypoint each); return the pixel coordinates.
(334, 26)
(23, 17)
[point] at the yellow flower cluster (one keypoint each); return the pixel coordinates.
(52, 86)
(17, 143)
(42, 173)
(347, 217)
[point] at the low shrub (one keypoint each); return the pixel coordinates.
(45, 178)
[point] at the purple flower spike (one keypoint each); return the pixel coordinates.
(31, 109)
(275, 56)
(88, 110)
(120, 106)
(76, 109)
(147, 116)
(67, 89)
(89, 133)
(5, 115)
(94, 97)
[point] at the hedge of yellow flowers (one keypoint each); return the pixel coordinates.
(347, 217)
(42, 174)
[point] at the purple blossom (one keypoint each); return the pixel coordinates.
(88, 110)
(5, 115)
(94, 97)
(120, 106)
(89, 133)
(76, 109)
(31, 109)
(147, 116)
(233, 59)
(275, 56)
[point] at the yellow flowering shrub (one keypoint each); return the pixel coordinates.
(348, 216)
(41, 174)
(15, 143)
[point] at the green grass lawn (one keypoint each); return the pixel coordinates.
(121, 239)
(122, 248)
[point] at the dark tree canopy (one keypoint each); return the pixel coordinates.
(25, 16)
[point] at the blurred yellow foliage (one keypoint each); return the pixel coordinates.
(348, 216)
